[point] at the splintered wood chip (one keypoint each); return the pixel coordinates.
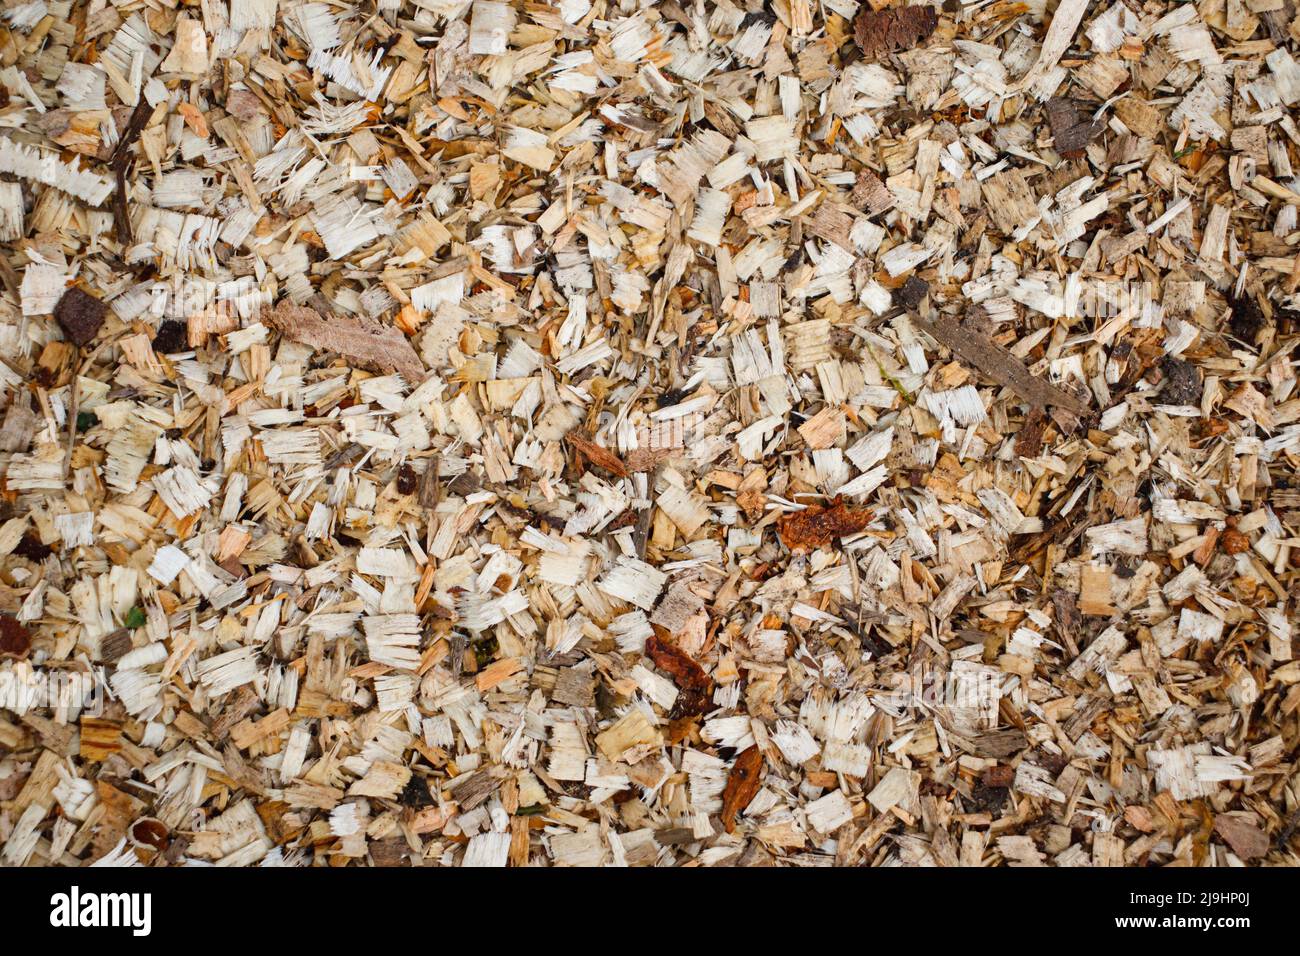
(879, 32)
(80, 315)
(668, 657)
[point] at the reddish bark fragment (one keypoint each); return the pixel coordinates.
(818, 525)
(151, 832)
(1001, 776)
(15, 640)
(80, 315)
(1234, 542)
(695, 686)
(742, 785)
(170, 338)
(598, 455)
(912, 293)
(888, 31)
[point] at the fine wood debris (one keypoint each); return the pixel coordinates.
(481, 433)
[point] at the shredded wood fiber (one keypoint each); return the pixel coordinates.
(473, 433)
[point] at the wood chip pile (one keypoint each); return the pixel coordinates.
(675, 432)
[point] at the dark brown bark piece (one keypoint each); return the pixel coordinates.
(998, 364)
(1071, 132)
(1182, 385)
(115, 645)
(833, 225)
(171, 337)
(819, 525)
(742, 785)
(1068, 619)
(32, 548)
(131, 132)
(977, 321)
(986, 799)
(691, 703)
(1060, 531)
(1247, 319)
(121, 160)
(390, 852)
(879, 32)
(428, 492)
(80, 315)
(407, 480)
